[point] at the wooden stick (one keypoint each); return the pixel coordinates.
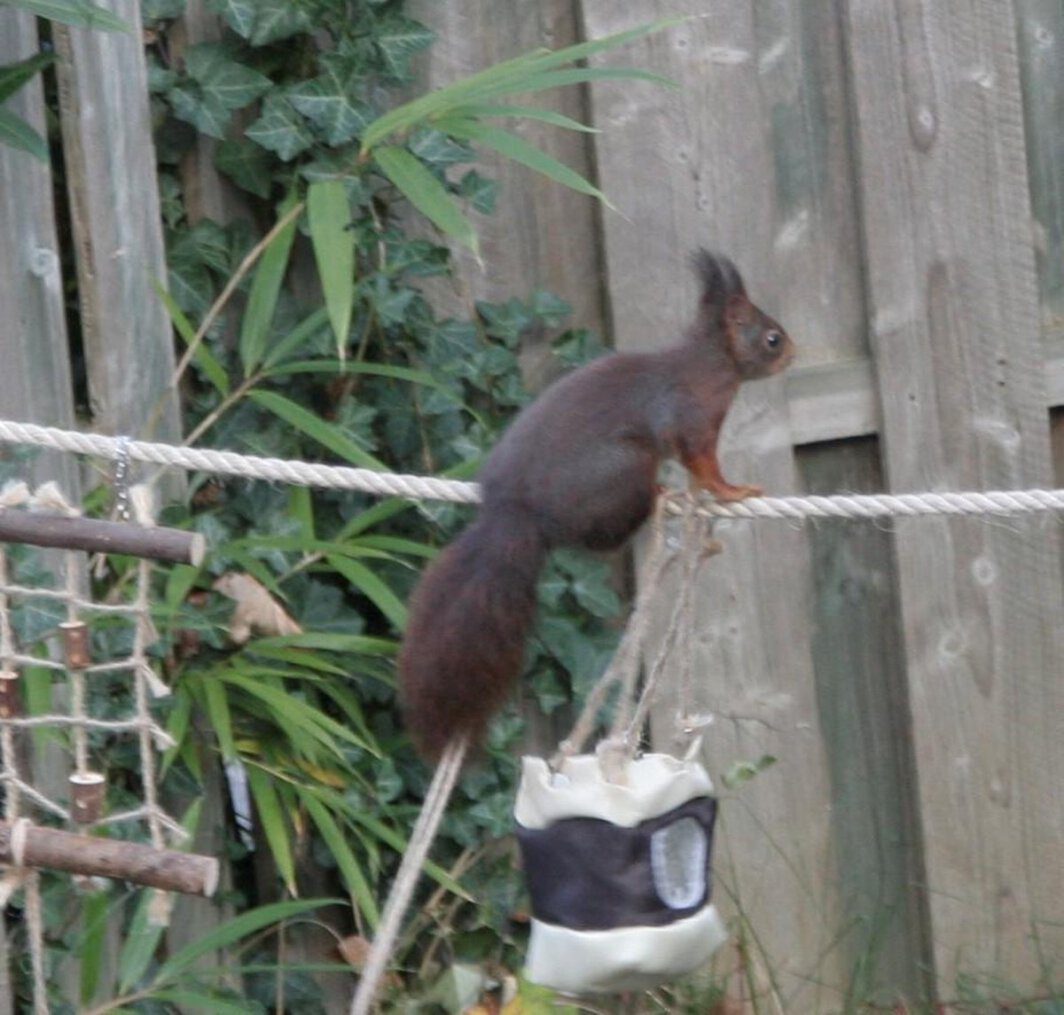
(92, 535)
(54, 849)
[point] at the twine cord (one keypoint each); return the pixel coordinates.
(19, 795)
(439, 792)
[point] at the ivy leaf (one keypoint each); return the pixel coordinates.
(550, 309)
(479, 190)
(277, 19)
(160, 79)
(190, 286)
(391, 304)
(239, 13)
(204, 113)
(159, 10)
(398, 39)
(280, 129)
(262, 21)
(329, 106)
(436, 148)
(229, 83)
(507, 321)
(590, 584)
(246, 164)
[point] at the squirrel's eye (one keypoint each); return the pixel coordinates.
(773, 339)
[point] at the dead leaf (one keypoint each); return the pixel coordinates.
(355, 950)
(256, 610)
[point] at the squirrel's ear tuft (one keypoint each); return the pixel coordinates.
(720, 278)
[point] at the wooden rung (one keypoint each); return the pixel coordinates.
(95, 536)
(54, 849)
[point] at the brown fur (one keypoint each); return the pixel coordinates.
(577, 468)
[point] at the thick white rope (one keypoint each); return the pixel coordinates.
(232, 464)
(995, 502)
(886, 505)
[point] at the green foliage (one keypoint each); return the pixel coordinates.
(79, 13)
(14, 131)
(307, 333)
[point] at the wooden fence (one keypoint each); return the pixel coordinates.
(890, 178)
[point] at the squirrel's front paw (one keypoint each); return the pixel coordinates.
(729, 493)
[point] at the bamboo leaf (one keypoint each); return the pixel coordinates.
(203, 357)
(296, 337)
(576, 76)
(325, 366)
(14, 75)
(265, 288)
(271, 816)
(217, 705)
(329, 217)
(194, 1001)
(328, 641)
(355, 879)
(315, 427)
(426, 193)
(301, 508)
(79, 13)
(385, 509)
(372, 588)
(397, 544)
(142, 939)
(179, 583)
(17, 133)
(233, 930)
(95, 909)
(441, 100)
(476, 111)
(516, 148)
(399, 844)
(524, 73)
(301, 659)
(298, 714)
(177, 726)
(582, 50)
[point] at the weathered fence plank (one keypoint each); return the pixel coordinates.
(864, 713)
(114, 202)
(955, 327)
(206, 193)
(35, 383)
(35, 378)
(748, 157)
(1041, 45)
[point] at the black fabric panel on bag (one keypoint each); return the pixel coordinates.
(589, 874)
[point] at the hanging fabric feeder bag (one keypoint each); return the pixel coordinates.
(618, 872)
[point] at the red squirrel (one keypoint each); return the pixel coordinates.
(578, 467)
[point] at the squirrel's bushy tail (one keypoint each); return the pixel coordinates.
(469, 619)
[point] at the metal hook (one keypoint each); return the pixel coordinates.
(121, 479)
